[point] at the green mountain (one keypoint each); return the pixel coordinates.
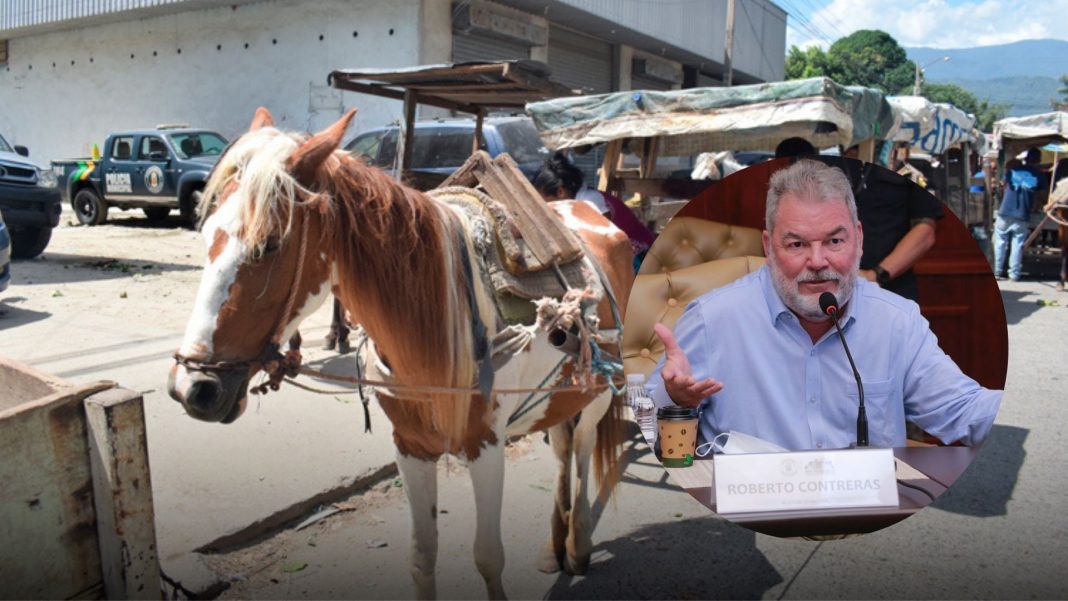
(1026, 95)
(1023, 74)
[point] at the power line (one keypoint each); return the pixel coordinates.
(813, 31)
(816, 10)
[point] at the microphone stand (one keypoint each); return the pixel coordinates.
(829, 305)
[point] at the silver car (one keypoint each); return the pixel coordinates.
(5, 256)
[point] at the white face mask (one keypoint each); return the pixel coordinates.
(739, 443)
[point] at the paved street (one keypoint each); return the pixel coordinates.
(111, 302)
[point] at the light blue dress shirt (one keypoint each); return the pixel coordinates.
(781, 387)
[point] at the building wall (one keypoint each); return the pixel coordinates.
(697, 27)
(62, 91)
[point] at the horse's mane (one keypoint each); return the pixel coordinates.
(257, 162)
(395, 250)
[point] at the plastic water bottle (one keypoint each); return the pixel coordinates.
(643, 406)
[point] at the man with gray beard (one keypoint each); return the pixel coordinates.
(785, 377)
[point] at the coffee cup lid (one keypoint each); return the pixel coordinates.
(676, 412)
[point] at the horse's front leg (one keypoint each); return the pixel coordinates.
(583, 441)
(421, 485)
(487, 477)
(552, 554)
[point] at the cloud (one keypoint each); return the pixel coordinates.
(932, 23)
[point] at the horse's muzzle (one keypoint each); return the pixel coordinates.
(210, 395)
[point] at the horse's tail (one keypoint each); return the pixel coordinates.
(611, 433)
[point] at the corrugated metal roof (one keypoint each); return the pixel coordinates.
(24, 17)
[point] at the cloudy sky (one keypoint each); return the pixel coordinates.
(933, 23)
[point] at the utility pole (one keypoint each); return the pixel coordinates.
(917, 82)
(728, 46)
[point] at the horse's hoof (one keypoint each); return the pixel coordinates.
(329, 344)
(343, 347)
(577, 566)
(548, 561)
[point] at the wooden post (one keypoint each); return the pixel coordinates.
(122, 493)
(966, 185)
(613, 150)
(866, 150)
(479, 117)
(405, 150)
(646, 168)
(728, 46)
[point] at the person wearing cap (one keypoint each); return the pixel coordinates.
(785, 376)
(1013, 223)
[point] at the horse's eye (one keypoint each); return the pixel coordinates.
(268, 247)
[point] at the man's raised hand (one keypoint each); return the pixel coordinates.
(678, 376)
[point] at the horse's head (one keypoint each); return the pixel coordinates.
(269, 263)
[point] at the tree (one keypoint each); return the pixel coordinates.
(802, 64)
(867, 57)
(1062, 104)
(985, 113)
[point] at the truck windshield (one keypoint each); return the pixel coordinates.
(197, 144)
(4, 146)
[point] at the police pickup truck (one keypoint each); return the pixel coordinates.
(156, 170)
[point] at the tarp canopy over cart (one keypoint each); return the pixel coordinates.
(1016, 134)
(690, 121)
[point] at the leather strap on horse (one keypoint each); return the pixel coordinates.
(276, 365)
(478, 329)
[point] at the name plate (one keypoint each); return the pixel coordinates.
(805, 480)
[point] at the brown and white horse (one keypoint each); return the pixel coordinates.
(293, 219)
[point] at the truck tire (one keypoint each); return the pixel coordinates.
(28, 242)
(188, 208)
(156, 213)
(89, 207)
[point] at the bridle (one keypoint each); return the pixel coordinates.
(276, 364)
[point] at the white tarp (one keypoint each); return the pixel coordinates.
(930, 127)
(1017, 134)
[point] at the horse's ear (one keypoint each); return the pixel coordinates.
(262, 118)
(307, 159)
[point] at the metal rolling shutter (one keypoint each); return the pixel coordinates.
(640, 82)
(580, 61)
(473, 47)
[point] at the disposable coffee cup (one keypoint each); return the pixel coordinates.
(678, 435)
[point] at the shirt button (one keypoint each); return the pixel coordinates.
(812, 399)
(819, 445)
(672, 302)
(645, 352)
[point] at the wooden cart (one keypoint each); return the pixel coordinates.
(76, 513)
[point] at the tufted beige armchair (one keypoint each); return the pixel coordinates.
(690, 257)
(688, 241)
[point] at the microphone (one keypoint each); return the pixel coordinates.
(829, 306)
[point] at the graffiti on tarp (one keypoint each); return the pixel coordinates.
(945, 131)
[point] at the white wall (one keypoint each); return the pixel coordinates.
(96, 87)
